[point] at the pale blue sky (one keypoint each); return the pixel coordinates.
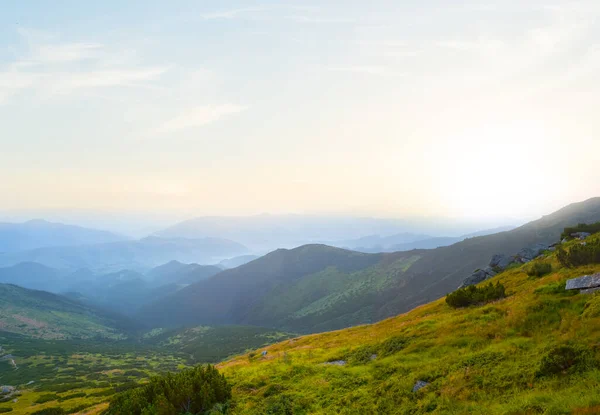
(385, 107)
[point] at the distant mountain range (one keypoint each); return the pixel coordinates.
(264, 233)
(409, 241)
(40, 233)
(139, 255)
(318, 287)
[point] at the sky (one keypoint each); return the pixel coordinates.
(383, 108)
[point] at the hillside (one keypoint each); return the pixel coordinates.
(40, 233)
(175, 272)
(310, 288)
(535, 351)
(140, 255)
(50, 316)
(317, 288)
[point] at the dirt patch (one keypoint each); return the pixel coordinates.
(30, 321)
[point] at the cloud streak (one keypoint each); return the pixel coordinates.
(199, 116)
(50, 68)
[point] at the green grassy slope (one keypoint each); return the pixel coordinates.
(50, 316)
(488, 359)
(314, 287)
(204, 344)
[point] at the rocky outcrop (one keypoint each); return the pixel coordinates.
(587, 284)
(580, 235)
(499, 263)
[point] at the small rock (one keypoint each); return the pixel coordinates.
(264, 353)
(373, 357)
(336, 363)
(419, 385)
(589, 290)
(580, 235)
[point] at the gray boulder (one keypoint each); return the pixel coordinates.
(580, 235)
(529, 254)
(500, 261)
(478, 276)
(419, 385)
(585, 282)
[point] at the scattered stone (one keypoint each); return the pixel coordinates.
(30, 382)
(15, 400)
(336, 363)
(264, 353)
(7, 389)
(587, 281)
(500, 261)
(580, 235)
(529, 254)
(373, 357)
(589, 290)
(478, 276)
(419, 385)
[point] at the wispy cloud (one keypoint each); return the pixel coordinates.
(375, 70)
(51, 67)
(199, 116)
(298, 14)
(232, 13)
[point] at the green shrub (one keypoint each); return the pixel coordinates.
(392, 345)
(539, 269)
(582, 227)
(5, 410)
(580, 254)
(49, 411)
(47, 398)
(193, 391)
(565, 359)
(592, 307)
(471, 295)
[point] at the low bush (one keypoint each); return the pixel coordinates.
(47, 398)
(539, 269)
(592, 307)
(472, 295)
(579, 254)
(582, 227)
(565, 359)
(193, 391)
(49, 411)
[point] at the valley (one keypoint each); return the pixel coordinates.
(311, 329)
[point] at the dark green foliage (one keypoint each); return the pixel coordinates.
(471, 295)
(539, 269)
(392, 345)
(47, 398)
(194, 391)
(580, 254)
(565, 359)
(365, 354)
(72, 396)
(582, 227)
(49, 411)
(5, 410)
(362, 355)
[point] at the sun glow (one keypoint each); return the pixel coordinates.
(492, 171)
